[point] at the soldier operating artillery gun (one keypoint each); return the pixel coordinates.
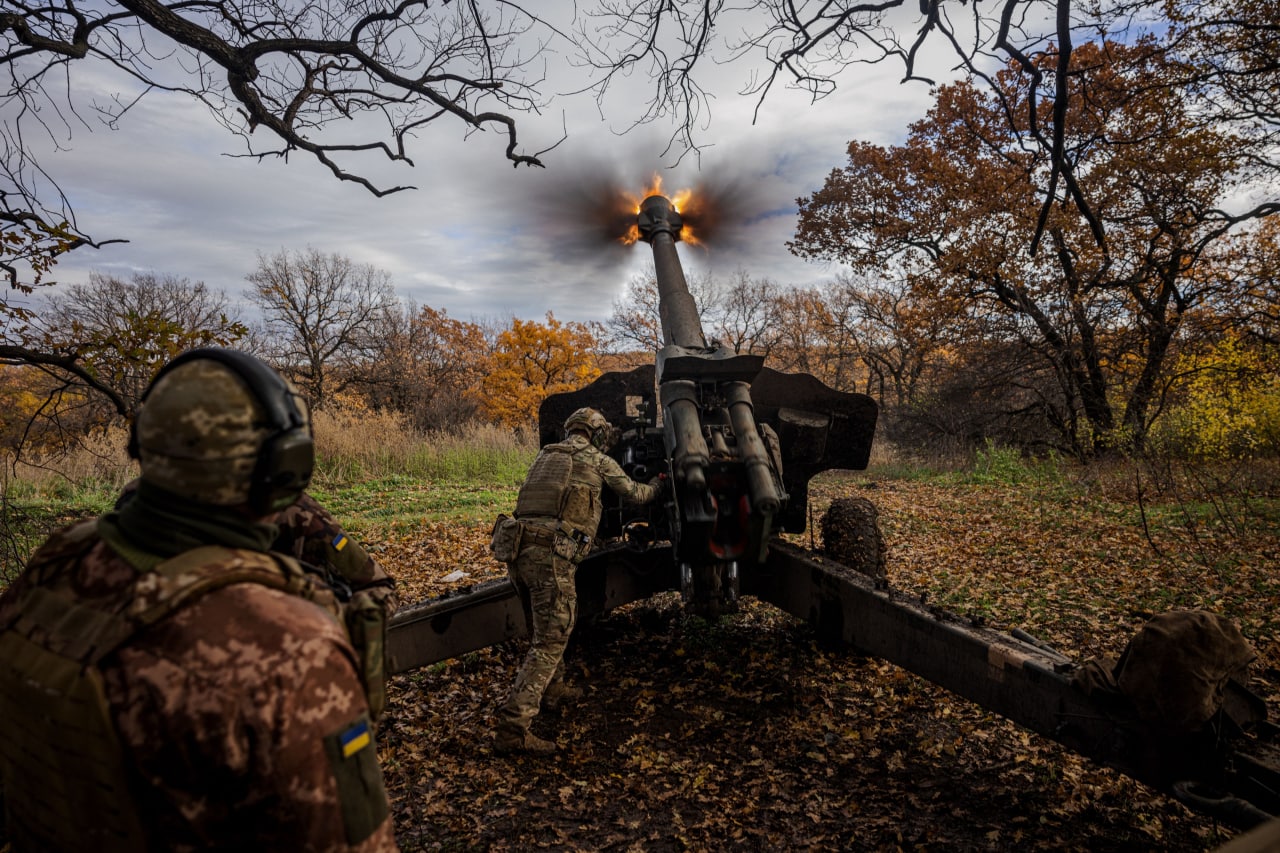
(741, 443)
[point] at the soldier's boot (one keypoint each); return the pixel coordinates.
(560, 695)
(510, 739)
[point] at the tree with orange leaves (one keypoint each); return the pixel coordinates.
(532, 360)
(954, 208)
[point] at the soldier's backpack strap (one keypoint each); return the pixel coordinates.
(182, 579)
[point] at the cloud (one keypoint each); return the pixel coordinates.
(477, 238)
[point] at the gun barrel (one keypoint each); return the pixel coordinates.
(660, 226)
(764, 497)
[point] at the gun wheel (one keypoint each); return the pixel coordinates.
(851, 536)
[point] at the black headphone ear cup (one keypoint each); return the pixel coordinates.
(283, 472)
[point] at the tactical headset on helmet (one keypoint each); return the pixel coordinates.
(220, 427)
(594, 424)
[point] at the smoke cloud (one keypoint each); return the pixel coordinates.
(592, 207)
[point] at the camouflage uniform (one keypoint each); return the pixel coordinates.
(230, 711)
(545, 579)
(212, 687)
(368, 594)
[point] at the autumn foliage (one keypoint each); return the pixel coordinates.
(1074, 253)
(531, 360)
(1099, 306)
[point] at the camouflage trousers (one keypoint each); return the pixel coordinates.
(546, 586)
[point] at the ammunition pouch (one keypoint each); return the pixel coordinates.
(505, 539)
(564, 547)
(571, 544)
(366, 622)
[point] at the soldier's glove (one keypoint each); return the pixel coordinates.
(659, 482)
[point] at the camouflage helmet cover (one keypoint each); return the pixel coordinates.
(586, 419)
(603, 434)
(200, 432)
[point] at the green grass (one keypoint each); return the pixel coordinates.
(992, 465)
(27, 520)
(426, 464)
(373, 472)
(458, 492)
(396, 484)
(1007, 466)
(403, 500)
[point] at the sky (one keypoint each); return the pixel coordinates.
(478, 238)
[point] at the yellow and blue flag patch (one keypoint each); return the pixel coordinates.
(339, 542)
(353, 758)
(354, 739)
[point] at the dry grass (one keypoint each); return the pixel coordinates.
(96, 461)
(357, 446)
(350, 447)
(365, 454)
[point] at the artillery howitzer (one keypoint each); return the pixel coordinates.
(741, 443)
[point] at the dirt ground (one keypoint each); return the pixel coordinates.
(746, 734)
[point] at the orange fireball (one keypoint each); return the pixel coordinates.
(680, 200)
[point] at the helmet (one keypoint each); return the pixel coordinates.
(588, 420)
(220, 427)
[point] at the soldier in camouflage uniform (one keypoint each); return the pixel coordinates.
(313, 537)
(550, 544)
(169, 683)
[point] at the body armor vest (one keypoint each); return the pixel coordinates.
(65, 778)
(562, 485)
(582, 501)
(545, 489)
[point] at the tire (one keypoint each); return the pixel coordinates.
(851, 536)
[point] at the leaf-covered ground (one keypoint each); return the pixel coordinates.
(747, 735)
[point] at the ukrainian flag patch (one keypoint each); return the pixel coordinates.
(354, 739)
(340, 541)
(353, 758)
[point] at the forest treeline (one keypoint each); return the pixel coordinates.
(338, 330)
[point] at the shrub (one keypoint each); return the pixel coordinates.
(1230, 408)
(1009, 466)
